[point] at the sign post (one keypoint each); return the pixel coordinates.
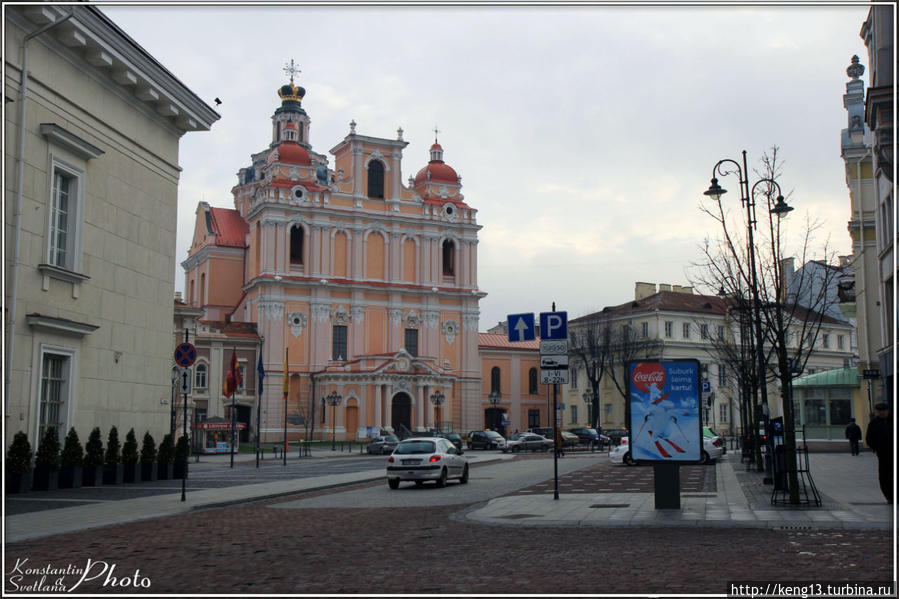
(185, 355)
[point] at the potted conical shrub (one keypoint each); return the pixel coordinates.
(92, 471)
(18, 464)
(129, 458)
(113, 471)
(166, 458)
(46, 462)
(182, 452)
(148, 458)
(71, 462)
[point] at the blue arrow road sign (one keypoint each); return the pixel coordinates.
(521, 327)
(554, 325)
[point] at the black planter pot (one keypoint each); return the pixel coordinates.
(180, 470)
(70, 477)
(91, 476)
(131, 473)
(18, 482)
(148, 471)
(164, 470)
(45, 479)
(113, 474)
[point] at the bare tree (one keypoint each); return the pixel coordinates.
(604, 345)
(745, 265)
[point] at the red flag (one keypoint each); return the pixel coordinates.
(233, 379)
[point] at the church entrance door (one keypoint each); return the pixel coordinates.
(401, 414)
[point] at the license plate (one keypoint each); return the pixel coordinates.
(411, 462)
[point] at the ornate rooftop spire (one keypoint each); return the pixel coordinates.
(855, 70)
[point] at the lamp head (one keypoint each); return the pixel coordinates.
(715, 191)
(722, 292)
(781, 208)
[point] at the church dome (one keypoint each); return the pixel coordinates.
(290, 152)
(437, 170)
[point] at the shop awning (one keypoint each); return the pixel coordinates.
(838, 377)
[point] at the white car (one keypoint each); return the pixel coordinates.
(712, 449)
(621, 453)
(426, 458)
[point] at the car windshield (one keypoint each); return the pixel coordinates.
(407, 447)
(391, 439)
(494, 434)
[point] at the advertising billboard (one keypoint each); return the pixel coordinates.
(665, 410)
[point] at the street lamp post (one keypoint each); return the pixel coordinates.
(494, 398)
(437, 398)
(333, 400)
(747, 201)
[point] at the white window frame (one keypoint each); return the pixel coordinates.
(686, 330)
(722, 413)
(669, 328)
(68, 409)
(75, 216)
(205, 384)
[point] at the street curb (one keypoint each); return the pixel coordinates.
(233, 502)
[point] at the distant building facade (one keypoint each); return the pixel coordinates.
(93, 125)
(510, 375)
(361, 288)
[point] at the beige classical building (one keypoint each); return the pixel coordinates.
(92, 129)
(680, 324)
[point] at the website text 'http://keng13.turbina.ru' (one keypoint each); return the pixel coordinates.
(811, 589)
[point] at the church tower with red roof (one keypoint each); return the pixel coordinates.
(367, 285)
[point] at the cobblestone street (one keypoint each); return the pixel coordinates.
(255, 549)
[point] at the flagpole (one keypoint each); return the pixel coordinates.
(260, 373)
(233, 407)
(285, 390)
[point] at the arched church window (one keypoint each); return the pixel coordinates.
(449, 253)
(532, 381)
(296, 245)
(375, 179)
(494, 380)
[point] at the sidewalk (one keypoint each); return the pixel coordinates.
(848, 485)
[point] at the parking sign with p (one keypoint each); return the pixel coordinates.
(554, 325)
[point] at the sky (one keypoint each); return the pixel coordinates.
(584, 135)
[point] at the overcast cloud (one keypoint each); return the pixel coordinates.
(584, 135)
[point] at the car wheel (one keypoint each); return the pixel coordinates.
(628, 459)
(441, 482)
(704, 458)
(516, 449)
(393, 483)
(469, 446)
(464, 479)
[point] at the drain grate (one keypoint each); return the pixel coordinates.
(610, 505)
(519, 516)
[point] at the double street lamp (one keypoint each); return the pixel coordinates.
(747, 200)
(333, 400)
(437, 398)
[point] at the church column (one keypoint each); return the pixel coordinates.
(358, 172)
(395, 183)
(420, 411)
(378, 405)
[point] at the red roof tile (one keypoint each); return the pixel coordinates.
(498, 341)
(229, 227)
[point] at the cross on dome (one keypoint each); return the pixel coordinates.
(291, 69)
(436, 131)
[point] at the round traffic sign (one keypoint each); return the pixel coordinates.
(185, 355)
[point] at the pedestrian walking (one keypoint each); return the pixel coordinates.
(560, 450)
(879, 437)
(854, 434)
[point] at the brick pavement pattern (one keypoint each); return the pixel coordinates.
(605, 477)
(252, 548)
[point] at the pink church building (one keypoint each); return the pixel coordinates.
(362, 288)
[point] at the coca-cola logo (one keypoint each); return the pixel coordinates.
(647, 373)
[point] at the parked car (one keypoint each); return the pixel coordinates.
(621, 453)
(713, 446)
(454, 437)
(569, 439)
(383, 444)
(616, 434)
(590, 436)
(485, 440)
(527, 442)
(543, 431)
(427, 458)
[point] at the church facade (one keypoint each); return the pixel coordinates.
(362, 289)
